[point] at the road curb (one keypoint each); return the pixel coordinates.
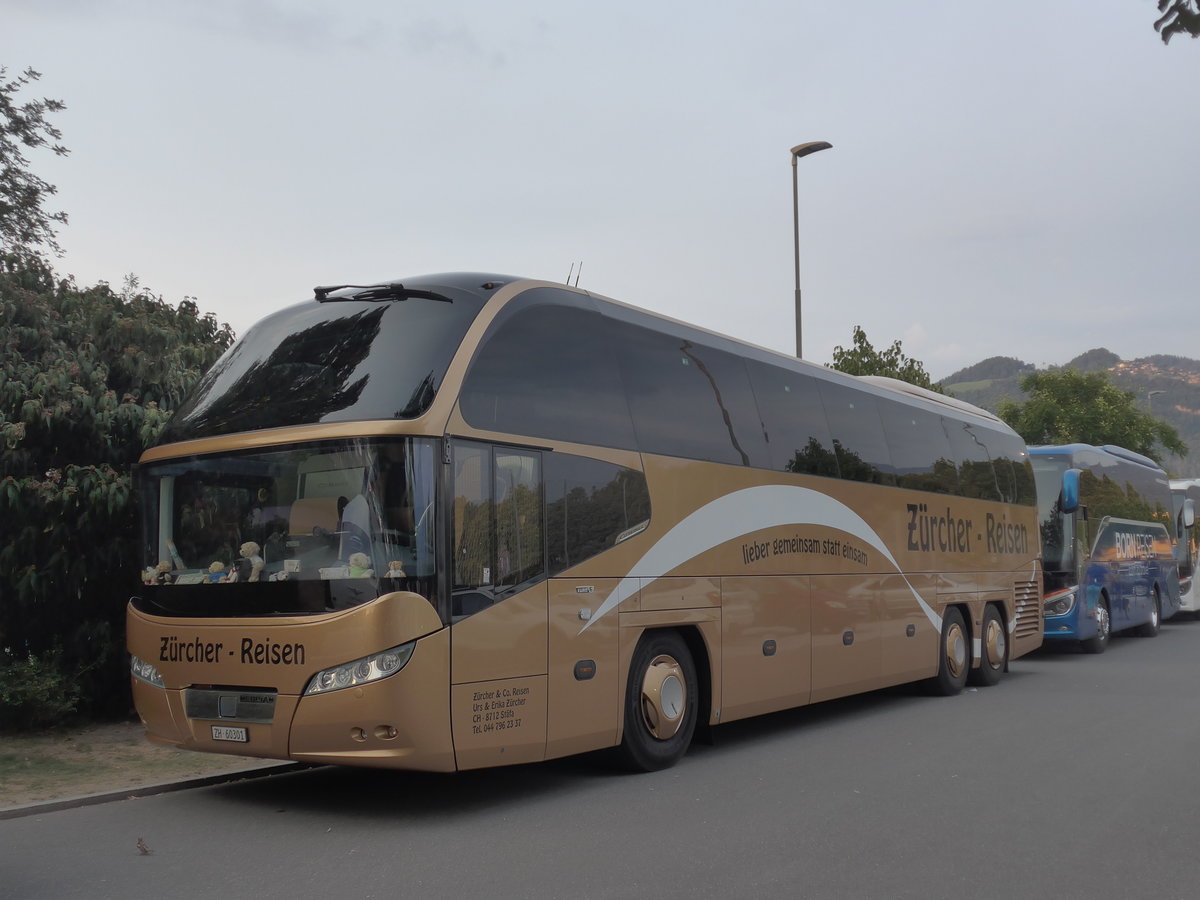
(150, 790)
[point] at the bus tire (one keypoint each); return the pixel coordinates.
(954, 655)
(1150, 629)
(661, 698)
(1098, 643)
(993, 649)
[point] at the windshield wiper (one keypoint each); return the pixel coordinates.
(394, 291)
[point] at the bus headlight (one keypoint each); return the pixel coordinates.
(1060, 603)
(145, 671)
(361, 671)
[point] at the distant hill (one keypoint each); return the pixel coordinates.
(1098, 360)
(1168, 386)
(991, 368)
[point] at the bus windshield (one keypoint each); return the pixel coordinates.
(1057, 530)
(309, 528)
(328, 362)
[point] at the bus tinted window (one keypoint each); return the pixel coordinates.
(1011, 464)
(919, 448)
(794, 419)
(976, 477)
(549, 371)
(858, 440)
(690, 400)
(590, 507)
(1127, 492)
(328, 362)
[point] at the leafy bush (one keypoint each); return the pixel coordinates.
(34, 692)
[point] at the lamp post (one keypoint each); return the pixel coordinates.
(798, 151)
(1150, 399)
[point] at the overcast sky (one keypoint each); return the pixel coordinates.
(1014, 178)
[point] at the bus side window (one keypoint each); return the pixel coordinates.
(976, 477)
(497, 524)
(519, 541)
(794, 420)
(919, 448)
(858, 439)
(472, 520)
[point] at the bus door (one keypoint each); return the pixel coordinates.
(498, 604)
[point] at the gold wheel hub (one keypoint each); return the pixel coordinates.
(956, 651)
(994, 643)
(664, 697)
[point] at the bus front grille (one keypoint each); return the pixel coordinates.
(230, 704)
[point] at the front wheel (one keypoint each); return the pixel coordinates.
(1150, 629)
(1099, 641)
(660, 703)
(954, 656)
(993, 647)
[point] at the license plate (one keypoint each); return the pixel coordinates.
(230, 733)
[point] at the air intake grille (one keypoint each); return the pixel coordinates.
(1028, 604)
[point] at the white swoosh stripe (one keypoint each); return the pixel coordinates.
(738, 514)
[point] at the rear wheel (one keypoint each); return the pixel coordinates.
(954, 657)
(1150, 629)
(993, 649)
(1099, 641)
(660, 703)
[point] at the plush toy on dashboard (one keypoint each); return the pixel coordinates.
(251, 564)
(160, 574)
(360, 566)
(396, 569)
(216, 573)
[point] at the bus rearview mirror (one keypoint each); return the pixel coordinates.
(1070, 490)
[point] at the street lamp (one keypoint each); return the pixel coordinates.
(1150, 399)
(798, 151)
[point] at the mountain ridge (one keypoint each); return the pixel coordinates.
(1167, 386)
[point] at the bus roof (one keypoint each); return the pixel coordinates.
(1111, 450)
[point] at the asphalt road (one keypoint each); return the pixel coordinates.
(1072, 778)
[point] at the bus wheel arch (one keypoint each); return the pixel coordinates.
(661, 703)
(1099, 642)
(954, 653)
(993, 648)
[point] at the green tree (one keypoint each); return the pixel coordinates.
(1068, 406)
(88, 378)
(1178, 17)
(864, 359)
(25, 224)
(87, 381)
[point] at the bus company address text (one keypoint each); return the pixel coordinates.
(499, 709)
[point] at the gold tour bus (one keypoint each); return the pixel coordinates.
(470, 520)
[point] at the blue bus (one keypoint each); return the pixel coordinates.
(1108, 553)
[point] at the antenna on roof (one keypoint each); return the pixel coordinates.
(569, 274)
(578, 272)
